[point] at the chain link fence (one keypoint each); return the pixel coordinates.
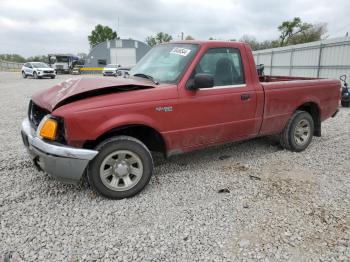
(10, 66)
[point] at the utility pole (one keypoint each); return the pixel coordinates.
(118, 34)
(182, 35)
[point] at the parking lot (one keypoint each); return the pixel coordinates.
(245, 201)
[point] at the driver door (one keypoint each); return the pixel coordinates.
(225, 112)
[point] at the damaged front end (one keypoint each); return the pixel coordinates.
(63, 162)
(43, 132)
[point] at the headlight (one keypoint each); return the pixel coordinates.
(48, 128)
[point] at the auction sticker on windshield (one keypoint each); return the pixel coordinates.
(180, 51)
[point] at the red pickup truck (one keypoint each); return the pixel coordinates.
(180, 97)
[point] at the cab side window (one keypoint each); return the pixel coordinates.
(224, 64)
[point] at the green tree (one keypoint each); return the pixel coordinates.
(12, 58)
(100, 34)
(189, 37)
(158, 38)
(151, 41)
(297, 32)
(38, 58)
(314, 33)
(291, 33)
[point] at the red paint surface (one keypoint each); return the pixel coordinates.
(199, 118)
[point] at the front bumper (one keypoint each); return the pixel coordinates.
(65, 163)
(109, 73)
(41, 73)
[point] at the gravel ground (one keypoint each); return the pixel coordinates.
(274, 205)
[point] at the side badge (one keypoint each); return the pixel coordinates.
(164, 108)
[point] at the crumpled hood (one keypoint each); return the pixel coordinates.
(79, 88)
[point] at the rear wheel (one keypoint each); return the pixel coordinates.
(24, 74)
(298, 133)
(122, 168)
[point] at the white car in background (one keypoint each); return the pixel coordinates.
(37, 70)
(123, 71)
(110, 70)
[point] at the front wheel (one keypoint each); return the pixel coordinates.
(35, 75)
(298, 133)
(122, 168)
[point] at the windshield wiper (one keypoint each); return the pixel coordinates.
(148, 77)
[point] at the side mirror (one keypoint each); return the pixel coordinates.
(201, 81)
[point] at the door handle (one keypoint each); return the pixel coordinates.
(245, 96)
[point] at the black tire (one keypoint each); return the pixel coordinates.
(24, 74)
(35, 75)
(117, 144)
(289, 137)
(52, 77)
(345, 104)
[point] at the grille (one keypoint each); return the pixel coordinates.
(48, 72)
(36, 114)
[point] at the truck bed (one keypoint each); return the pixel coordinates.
(285, 94)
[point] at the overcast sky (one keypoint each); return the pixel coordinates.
(31, 27)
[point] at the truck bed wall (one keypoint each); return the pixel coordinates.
(267, 78)
(284, 97)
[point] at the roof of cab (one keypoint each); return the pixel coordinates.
(208, 42)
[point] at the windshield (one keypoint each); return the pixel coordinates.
(40, 65)
(62, 59)
(165, 63)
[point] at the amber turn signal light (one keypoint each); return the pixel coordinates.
(49, 129)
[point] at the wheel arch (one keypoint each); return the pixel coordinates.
(314, 110)
(152, 138)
